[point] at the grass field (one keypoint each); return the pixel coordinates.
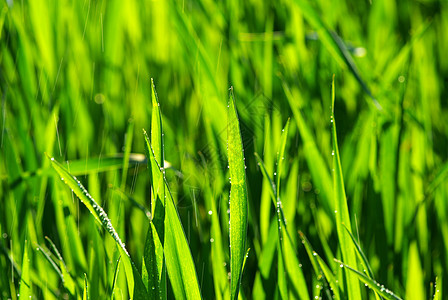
(189, 149)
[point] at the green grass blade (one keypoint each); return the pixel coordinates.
(320, 267)
(179, 262)
(114, 280)
(156, 126)
(238, 197)
(85, 293)
(361, 254)
(25, 280)
(281, 158)
(341, 210)
(272, 189)
(438, 288)
(66, 277)
(153, 262)
(378, 288)
(135, 283)
(157, 180)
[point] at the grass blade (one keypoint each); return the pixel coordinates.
(85, 293)
(179, 262)
(341, 210)
(438, 288)
(320, 267)
(238, 197)
(136, 288)
(153, 262)
(114, 280)
(25, 279)
(66, 277)
(380, 289)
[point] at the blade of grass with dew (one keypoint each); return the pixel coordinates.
(25, 291)
(157, 172)
(438, 288)
(341, 210)
(363, 258)
(292, 263)
(217, 252)
(179, 262)
(320, 268)
(238, 197)
(136, 287)
(287, 253)
(378, 288)
(85, 293)
(67, 279)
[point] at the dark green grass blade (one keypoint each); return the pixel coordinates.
(178, 257)
(238, 197)
(136, 287)
(380, 289)
(341, 210)
(153, 263)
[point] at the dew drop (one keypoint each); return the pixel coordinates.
(341, 265)
(210, 212)
(212, 240)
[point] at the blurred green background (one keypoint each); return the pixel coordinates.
(75, 83)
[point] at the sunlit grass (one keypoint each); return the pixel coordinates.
(156, 216)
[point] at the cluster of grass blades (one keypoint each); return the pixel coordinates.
(166, 246)
(167, 251)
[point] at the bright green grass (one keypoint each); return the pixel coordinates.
(251, 193)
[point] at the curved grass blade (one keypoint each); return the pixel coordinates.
(238, 197)
(321, 268)
(85, 293)
(341, 210)
(380, 289)
(136, 288)
(179, 262)
(25, 279)
(438, 288)
(361, 254)
(66, 277)
(114, 281)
